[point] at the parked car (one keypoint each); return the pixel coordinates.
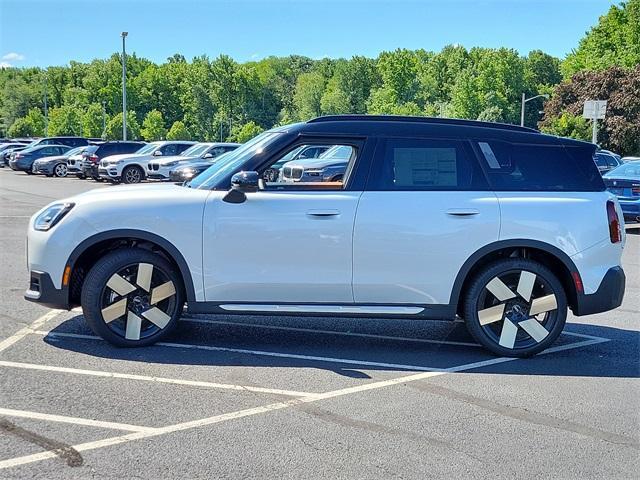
(630, 159)
(159, 169)
(190, 170)
(624, 182)
(301, 153)
(87, 166)
(433, 218)
(606, 161)
(330, 166)
(24, 159)
(55, 165)
(131, 168)
(8, 148)
(68, 141)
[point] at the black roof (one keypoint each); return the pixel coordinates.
(396, 125)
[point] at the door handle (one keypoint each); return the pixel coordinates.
(462, 212)
(323, 213)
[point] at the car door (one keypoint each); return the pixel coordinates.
(286, 244)
(426, 209)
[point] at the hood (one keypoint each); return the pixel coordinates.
(173, 158)
(316, 163)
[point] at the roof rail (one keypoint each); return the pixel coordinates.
(431, 120)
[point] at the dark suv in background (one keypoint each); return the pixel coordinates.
(93, 154)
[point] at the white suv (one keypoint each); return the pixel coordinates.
(434, 218)
(160, 168)
(131, 167)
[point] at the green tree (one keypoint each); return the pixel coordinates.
(178, 131)
(568, 125)
(308, 95)
(615, 40)
(92, 121)
(65, 120)
(153, 126)
(31, 125)
(114, 127)
(242, 133)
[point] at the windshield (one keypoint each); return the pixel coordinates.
(196, 150)
(147, 149)
(232, 161)
(342, 152)
(627, 170)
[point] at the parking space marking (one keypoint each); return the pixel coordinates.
(23, 332)
(8, 412)
(13, 462)
(331, 332)
(145, 378)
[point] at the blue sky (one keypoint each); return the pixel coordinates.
(53, 32)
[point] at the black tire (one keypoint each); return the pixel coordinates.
(134, 306)
(132, 174)
(80, 176)
(60, 170)
(524, 335)
(28, 172)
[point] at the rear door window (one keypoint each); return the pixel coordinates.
(540, 167)
(426, 164)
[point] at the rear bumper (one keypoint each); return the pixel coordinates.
(608, 296)
(42, 291)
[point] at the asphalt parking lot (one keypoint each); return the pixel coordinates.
(264, 397)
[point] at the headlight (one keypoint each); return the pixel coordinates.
(188, 172)
(52, 215)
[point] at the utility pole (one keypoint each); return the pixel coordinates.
(124, 86)
(524, 101)
(46, 109)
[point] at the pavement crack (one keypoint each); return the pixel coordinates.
(62, 450)
(528, 416)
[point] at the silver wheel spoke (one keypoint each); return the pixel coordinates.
(534, 329)
(120, 285)
(161, 292)
(508, 334)
(491, 314)
(115, 310)
(157, 317)
(500, 290)
(543, 304)
(525, 284)
(134, 323)
(145, 271)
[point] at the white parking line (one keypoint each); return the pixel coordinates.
(145, 378)
(23, 332)
(8, 412)
(330, 332)
(296, 356)
(13, 462)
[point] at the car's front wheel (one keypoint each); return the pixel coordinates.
(515, 307)
(132, 297)
(60, 170)
(132, 174)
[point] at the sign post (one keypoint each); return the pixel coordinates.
(594, 110)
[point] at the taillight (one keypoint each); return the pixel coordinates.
(615, 232)
(635, 189)
(94, 158)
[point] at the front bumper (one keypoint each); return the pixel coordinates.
(608, 296)
(108, 173)
(42, 291)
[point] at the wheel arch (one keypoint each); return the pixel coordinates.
(92, 248)
(552, 257)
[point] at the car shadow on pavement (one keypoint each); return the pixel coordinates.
(356, 347)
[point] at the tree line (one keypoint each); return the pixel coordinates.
(221, 99)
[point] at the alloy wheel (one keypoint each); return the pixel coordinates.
(138, 301)
(132, 175)
(60, 170)
(517, 309)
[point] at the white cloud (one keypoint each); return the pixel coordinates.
(13, 57)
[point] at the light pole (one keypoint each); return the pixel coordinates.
(46, 109)
(104, 120)
(124, 87)
(525, 100)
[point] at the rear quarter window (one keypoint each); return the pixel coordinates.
(540, 167)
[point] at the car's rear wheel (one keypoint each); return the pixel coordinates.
(515, 307)
(132, 297)
(132, 174)
(60, 170)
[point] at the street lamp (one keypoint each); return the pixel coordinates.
(525, 100)
(124, 87)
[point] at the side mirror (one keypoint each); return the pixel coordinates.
(157, 153)
(207, 155)
(241, 184)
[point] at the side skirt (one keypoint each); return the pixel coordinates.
(434, 312)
